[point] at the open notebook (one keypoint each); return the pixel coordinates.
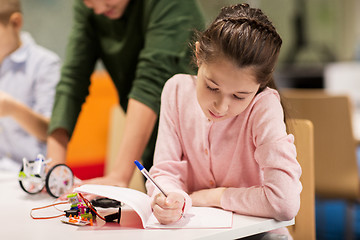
(196, 217)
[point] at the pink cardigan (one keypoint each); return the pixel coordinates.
(250, 154)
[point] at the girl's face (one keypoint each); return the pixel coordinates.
(224, 90)
(112, 9)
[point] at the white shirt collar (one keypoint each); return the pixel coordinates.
(20, 55)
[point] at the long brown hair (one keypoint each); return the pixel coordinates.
(245, 36)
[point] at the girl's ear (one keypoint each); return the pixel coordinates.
(197, 47)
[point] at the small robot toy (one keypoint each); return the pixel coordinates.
(83, 212)
(33, 177)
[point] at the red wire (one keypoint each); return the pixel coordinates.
(89, 205)
(51, 205)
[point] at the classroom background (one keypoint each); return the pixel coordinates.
(315, 33)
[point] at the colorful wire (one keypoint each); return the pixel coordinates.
(51, 205)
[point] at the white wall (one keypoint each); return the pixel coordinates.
(332, 23)
(49, 22)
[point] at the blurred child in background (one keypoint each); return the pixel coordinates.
(28, 76)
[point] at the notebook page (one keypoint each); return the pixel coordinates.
(198, 217)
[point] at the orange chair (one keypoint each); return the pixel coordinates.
(88, 146)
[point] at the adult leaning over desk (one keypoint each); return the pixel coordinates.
(141, 44)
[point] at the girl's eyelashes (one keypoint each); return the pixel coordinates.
(212, 89)
(216, 90)
(238, 98)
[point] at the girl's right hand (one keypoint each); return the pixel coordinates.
(168, 209)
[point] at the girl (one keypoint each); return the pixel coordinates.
(222, 139)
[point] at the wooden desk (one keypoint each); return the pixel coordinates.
(16, 222)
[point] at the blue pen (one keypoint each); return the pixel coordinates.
(147, 175)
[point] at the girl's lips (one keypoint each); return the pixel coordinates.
(109, 13)
(214, 115)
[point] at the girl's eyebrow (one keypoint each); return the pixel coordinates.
(213, 82)
(240, 92)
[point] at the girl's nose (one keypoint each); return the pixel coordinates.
(98, 7)
(221, 105)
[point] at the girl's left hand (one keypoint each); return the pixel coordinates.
(207, 197)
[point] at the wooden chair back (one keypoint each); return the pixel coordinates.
(336, 170)
(303, 132)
